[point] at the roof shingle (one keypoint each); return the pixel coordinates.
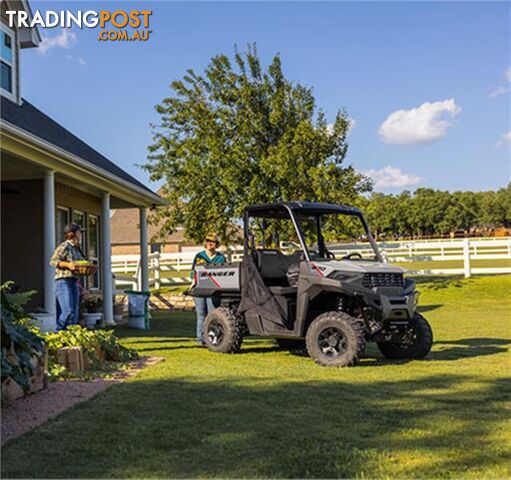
(32, 120)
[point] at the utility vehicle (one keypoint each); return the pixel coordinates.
(290, 286)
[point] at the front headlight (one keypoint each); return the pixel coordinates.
(416, 298)
(340, 276)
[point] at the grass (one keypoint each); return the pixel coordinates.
(271, 413)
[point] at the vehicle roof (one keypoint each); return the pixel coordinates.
(276, 209)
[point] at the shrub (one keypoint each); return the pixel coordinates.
(96, 346)
(19, 344)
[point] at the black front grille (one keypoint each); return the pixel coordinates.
(371, 280)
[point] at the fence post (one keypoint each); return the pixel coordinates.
(466, 257)
(157, 274)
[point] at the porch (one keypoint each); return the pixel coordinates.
(45, 186)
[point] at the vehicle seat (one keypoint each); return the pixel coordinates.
(276, 290)
(273, 266)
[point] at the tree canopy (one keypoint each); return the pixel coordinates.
(429, 212)
(239, 134)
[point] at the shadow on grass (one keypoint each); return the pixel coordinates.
(438, 282)
(454, 350)
(428, 308)
(243, 427)
(180, 330)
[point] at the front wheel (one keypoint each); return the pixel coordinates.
(335, 339)
(415, 342)
(223, 331)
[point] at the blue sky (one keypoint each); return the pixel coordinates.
(381, 61)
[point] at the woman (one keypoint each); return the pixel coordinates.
(208, 256)
(66, 281)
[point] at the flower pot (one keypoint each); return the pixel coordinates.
(46, 322)
(93, 320)
(118, 312)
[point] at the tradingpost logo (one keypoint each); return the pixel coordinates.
(116, 25)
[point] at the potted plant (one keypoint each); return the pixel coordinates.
(118, 310)
(93, 314)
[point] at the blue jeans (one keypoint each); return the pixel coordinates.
(203, 306)
(68, 302)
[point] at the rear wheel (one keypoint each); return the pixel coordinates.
(335, 339)
(415, 342)
(223, 331)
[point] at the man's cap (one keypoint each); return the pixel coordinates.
(213, 237)
(73, 228)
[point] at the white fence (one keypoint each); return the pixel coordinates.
(426, 257)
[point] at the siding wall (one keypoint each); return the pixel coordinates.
(22, 230)
(22, 236)
(70, 197)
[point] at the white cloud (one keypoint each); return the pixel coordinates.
(423, 124)
(498, 91)
(506, 138)
(79, 60)
(392, 177)
(501, 90)
(63, 40)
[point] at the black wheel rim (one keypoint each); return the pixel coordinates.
(215, 333)
(408, 339)
(332, 342)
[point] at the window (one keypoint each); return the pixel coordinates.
(62, 219)
(7, 58)
(78, 217)
(93, 247)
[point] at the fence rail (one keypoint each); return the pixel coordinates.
(424, 258)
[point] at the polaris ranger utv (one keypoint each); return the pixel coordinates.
(296, 289)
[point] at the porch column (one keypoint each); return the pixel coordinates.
(144, 260)
(49, 243)
(106, 262)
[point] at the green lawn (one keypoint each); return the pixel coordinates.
(272, 413)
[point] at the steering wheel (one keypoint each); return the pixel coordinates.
(352, 255)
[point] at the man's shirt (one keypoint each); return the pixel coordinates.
(65, 252)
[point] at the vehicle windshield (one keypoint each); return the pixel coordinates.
(329, 236)
(339, 236)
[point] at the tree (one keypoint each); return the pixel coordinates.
(238, 134)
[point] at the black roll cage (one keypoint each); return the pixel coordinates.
(294, 210)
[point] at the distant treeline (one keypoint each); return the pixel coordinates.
(428, 212)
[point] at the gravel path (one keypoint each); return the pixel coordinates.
(26, 413)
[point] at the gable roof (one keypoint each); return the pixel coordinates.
(32, 120)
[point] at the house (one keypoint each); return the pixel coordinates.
(50, 177)
(125, 239)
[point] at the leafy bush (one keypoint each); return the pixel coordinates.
(19, 344)
(16, 302)
(96, 346)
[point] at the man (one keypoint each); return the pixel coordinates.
(66, 281)
(208, 256)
